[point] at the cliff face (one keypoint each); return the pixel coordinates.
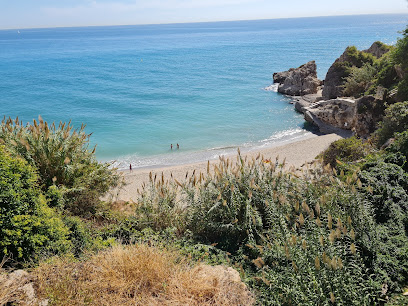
(298, 82)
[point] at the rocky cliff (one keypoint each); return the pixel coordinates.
(335, 77)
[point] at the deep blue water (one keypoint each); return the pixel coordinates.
(140, 88)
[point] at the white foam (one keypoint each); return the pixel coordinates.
(273, 87)
(179, 157)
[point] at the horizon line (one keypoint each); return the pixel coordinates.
(194, 22)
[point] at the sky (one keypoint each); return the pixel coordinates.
(17, 14)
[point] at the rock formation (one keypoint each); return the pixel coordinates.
(324, 108)
(335, 77)
(378, 49)
(344, 116)
(332, 116)
(334, 81)
(298, 82)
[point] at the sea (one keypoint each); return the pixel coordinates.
(141, 88)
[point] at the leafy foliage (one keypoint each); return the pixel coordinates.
(346, 150)
(359, 58)
(394, 121)
(359, 80)
(401, 50)
(68, 172)
(385, 186)
(28, 227)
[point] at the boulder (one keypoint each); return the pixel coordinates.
(298, 81)
(339, 113)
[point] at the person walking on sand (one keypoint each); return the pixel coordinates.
(130, 167)
(178, 147)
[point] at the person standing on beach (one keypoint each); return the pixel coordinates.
(130, 167)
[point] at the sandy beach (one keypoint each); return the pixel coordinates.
(296, 154)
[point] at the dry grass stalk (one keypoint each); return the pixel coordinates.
(136, 275)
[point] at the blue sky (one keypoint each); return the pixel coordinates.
(16, 14)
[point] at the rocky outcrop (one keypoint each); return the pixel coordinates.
(336, 113)
(334, 81)
(298, 82)
(345, 116)
(378, 49)
(335, 77)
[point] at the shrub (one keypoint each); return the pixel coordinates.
(346, 150)
(400, 57)
(68, 171)
(359, 58)
(401, 50)
(28, 227)
(394, 121)
(385, 186)
(359, 80)
(159, 208)
(387, 75)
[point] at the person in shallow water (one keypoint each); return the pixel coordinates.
(171, 147)
(178, 147)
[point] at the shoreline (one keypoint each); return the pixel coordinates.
(180, 157)
(296, 153)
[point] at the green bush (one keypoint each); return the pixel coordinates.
(385, 186)
(69, 173)
(387, 76)
(80, 234)
(28, 227)
(394, 121)
(359, 58)
(346, 150)
(359, 80)
(401, 50)
(400, 57)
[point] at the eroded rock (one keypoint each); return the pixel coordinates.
(378, 49)
(339, 113)
(298, 81)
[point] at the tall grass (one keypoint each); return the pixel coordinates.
(297, 240)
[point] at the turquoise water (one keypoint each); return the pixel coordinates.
(140, 88)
